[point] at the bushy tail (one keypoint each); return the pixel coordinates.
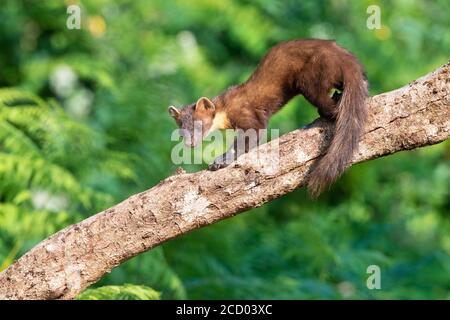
(350, 120)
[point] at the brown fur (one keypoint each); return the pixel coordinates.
(309, 67)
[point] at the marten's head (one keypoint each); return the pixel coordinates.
(196, 120)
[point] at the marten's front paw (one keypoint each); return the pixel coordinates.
(216, 166)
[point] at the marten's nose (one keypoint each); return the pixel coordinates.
(189, 142)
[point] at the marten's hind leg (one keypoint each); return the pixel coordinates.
(324, 100)
(327, 107)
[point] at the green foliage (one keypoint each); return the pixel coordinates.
(39, 193)
(100, 132)
(150, 269)
(125, 292)
(38, 147)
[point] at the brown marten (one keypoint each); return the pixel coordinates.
(313, 68)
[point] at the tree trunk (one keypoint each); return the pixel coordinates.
(69, 261)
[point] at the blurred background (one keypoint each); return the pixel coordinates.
(84, 125)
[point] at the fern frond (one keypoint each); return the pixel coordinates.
(13, 140)
(11, 97)
(124, 292)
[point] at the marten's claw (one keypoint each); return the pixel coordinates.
(216, 166)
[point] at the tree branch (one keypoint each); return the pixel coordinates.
(69, 261)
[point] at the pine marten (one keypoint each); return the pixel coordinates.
(313, 68)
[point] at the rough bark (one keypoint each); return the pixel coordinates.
(67, 262)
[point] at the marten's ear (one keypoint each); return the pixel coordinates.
(174, 112)
(204, 104)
